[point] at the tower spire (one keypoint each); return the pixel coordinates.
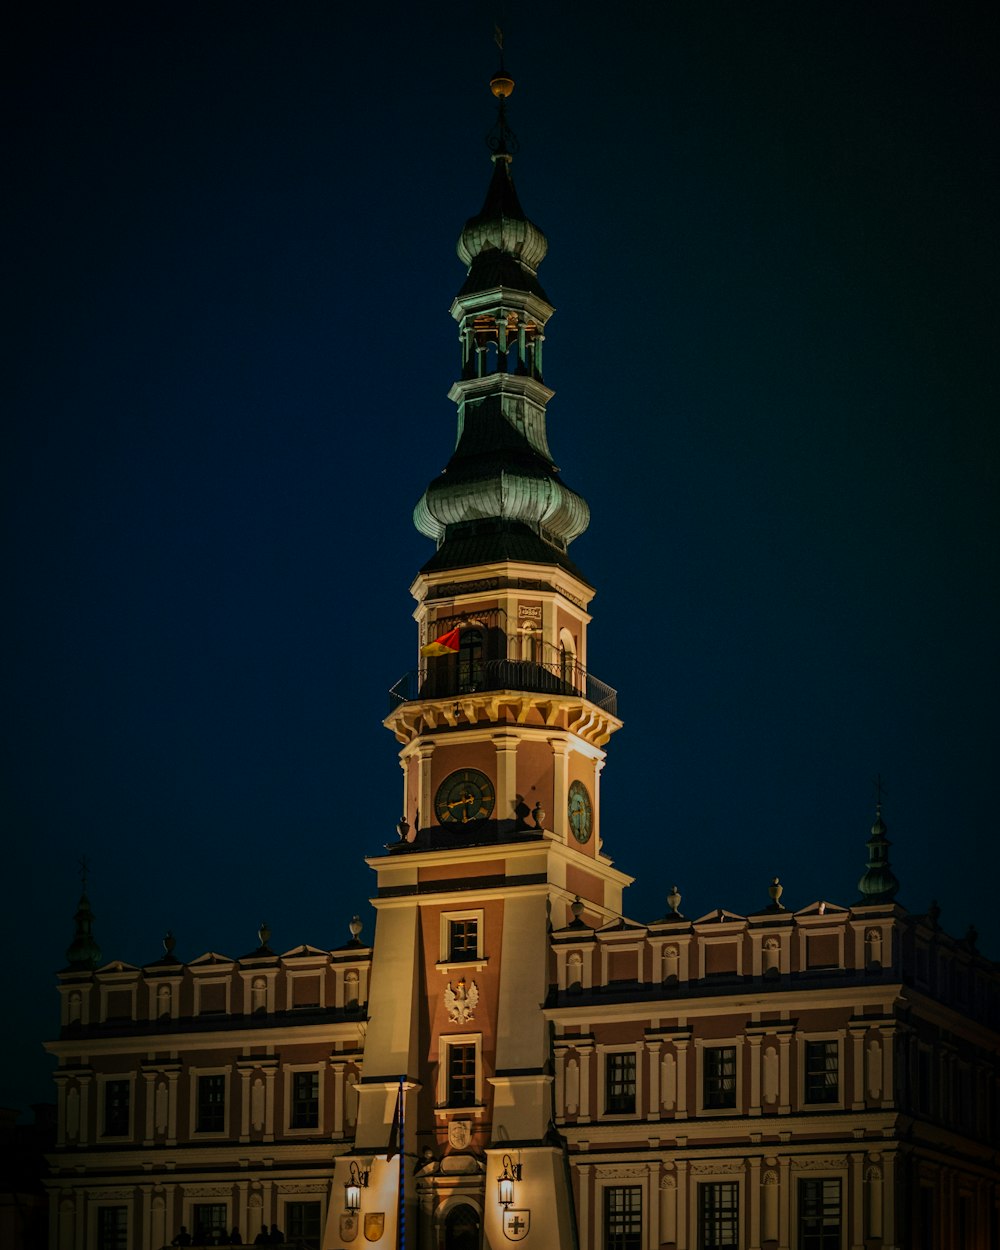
(500, 496)
(83, 953)
(878, 883)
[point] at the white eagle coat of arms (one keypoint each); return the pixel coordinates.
(461, 1001)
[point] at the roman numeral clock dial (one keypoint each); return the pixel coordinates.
(463, 797)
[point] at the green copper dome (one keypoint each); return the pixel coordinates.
(501, 479)
(83, 953)
(878, 884)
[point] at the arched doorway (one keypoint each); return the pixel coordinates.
(462, 1229)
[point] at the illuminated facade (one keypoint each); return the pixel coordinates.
(512, 1060)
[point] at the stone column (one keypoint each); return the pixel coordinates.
(425, 794)
(754, 1242)
(682, 1079)
(145, 1201)
(584, 1051)
(560, 1058)
(243, 1209)
(784, 1073)
(83, 1083)
(246, 1076)
(61, 1112)
(338, 1067)
(858, 1064)
(172, 1088)
(682, 1204)
(652, 1220)
(560, 785)
(856, 1201)
(888, 1073)
(668, 1207)
(754, 1039)
(598, 769)
(269, 1074)
(506, 748)
(583, 1208)
(770, 1202)
(653, 1048)
(784, 1202)
(149, 1093)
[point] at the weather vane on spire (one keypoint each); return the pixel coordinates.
(84, 869)
(501, 140)
(879, 791)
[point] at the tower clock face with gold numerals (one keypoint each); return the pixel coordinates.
(581, 813)
(463, 797)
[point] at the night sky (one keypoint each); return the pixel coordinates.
(230, 253)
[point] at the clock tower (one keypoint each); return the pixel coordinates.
(502, 731)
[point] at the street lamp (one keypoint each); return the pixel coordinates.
(511, 1173)
(357, 1179)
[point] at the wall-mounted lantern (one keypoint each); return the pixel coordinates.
(511, 1173)
(357, 1179)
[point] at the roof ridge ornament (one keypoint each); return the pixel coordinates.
(501, 140)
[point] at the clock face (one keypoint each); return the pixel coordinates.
(463, 797)
(581, 813)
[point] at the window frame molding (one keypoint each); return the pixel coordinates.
(701, 1044)
(720, 1177)
(290, 1070)
(604, 1049)
(445, 1041)
(820, 1172)
(639, 1181)
(103, 1078)
(445, 962)
(827, 1035)
(195, 1074)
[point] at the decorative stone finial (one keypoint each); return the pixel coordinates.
(169, 942)
(674, 901)
(538, 816)
(776, 889)
(576, 907)
(402, 828)
(264, 933)
(355, 927)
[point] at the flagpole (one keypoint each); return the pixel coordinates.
(402, 1169)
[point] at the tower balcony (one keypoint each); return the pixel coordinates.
(446, 678)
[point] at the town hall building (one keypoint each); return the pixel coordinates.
(512, 1058)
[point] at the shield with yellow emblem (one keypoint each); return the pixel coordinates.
(374, 1225)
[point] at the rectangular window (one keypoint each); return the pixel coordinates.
(461, 1076)
(623, 1217)
(211, 1109)
(719, 1215)
(112, 1228)
(116, 1106)
(819, 1215)
(619, 1083)
(821, 1076)
(720, 1076)
(305, 1100)
(463, 940)
(209, 1218)
(302, 1224)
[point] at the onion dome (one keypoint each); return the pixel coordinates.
(501, 224)
(500, 496)
(878, 884)
(83, 953)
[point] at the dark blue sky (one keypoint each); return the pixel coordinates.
(231, 232)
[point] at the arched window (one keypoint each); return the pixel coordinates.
(567, 657)
(470, 660)
(462, 1228)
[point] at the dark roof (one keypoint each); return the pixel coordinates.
(492, 540)
(493, 268)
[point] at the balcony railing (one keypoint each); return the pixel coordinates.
(445, 679)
